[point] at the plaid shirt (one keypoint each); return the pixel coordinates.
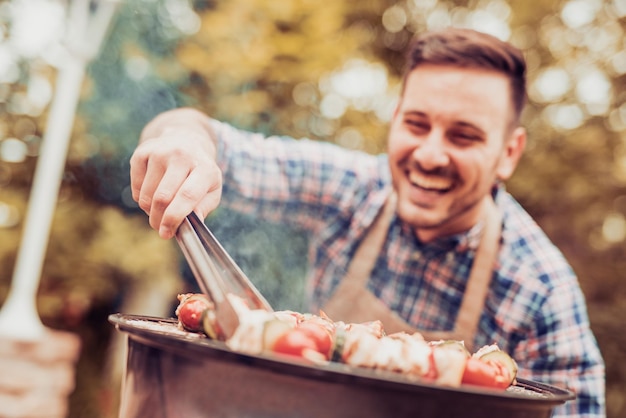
(534, 310)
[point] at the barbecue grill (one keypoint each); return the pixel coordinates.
(172, 373)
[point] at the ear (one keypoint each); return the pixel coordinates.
(511, 153)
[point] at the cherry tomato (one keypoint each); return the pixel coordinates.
(432, 367)
(319, 334)
(294, 342)
(488, 374)
(190, 311)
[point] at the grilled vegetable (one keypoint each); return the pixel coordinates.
(486, 374)
(295, 342)
(339, 342)
(453, 345)
(504, 359)
(320, 334)
(272, 331)
(309, 340)
(191, 309)
(209, 324)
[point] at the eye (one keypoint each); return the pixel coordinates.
(465, 137)
(417, 126)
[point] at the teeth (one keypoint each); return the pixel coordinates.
(430, 182)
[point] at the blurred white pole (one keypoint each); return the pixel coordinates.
(19, 318)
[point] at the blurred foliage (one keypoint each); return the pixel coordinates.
(289, 67)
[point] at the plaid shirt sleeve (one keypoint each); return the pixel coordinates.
(562, 351)
(554, 344)
(299, 182)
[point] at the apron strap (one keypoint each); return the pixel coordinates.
(353, 302)
(366, 255)
(481, 274)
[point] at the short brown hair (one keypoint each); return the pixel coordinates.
(471, 49)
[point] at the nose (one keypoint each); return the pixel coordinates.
(431, 153)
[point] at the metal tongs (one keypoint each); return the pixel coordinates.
(216, 273)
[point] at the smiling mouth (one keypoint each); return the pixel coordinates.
(430, 183)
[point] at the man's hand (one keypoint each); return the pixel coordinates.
(173, 170)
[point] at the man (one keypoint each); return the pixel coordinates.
(424, 238)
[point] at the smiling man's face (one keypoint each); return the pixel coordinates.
(451, 137)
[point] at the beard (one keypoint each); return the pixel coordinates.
(440, 220)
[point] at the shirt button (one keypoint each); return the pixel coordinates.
(450, 257)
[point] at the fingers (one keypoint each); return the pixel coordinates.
(169, 183)
(173, 170)
(155, 176)
(200, 191)
(138, 167)
(160, 190)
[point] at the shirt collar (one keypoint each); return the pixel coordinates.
(462, 242)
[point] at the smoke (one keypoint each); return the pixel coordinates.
(272, 256)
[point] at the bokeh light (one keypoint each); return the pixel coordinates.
(550, 85)
(9, 215)
(36, 25)
(614, 228)
(13, 150)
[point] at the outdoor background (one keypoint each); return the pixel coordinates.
(326, 70)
